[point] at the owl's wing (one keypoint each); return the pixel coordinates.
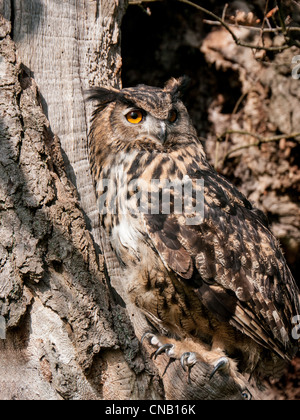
(233, 262)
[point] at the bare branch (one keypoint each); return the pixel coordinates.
(225, 11)
(293, 29)
(285, 31)
(139, 2)
(228, 28)
(251, 28)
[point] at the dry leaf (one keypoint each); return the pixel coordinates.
(272, 12)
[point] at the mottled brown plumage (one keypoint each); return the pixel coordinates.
(220, 288)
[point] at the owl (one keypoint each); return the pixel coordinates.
(216, 288)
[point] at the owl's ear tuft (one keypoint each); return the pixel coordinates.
(104, 96)
(177, 87)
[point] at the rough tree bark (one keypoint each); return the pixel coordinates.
(71, 332)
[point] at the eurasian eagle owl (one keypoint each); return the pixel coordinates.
(218, 284)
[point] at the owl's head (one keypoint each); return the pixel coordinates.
(143, 116)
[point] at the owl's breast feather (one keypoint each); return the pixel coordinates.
(126, 235)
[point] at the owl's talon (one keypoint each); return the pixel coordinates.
(222, 364)
(166, 347)
(176, 350)
(146, 335)
(188, 360)
(153, 340)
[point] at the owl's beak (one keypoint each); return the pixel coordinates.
(163, 132)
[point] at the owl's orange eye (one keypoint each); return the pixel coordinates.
(135, 117)
(173, 116)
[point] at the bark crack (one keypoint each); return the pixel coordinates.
(12, 18)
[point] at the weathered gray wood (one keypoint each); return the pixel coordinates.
(70, 46)
(51, 282)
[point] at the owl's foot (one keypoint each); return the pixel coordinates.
(190, 352)
(187, 359)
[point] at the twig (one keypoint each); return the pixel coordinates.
(293, 29)
(225, 11)
(138, 2)
(281, 18)
(261, 140)
(252, 28)
(264, 21)
(228, 28)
